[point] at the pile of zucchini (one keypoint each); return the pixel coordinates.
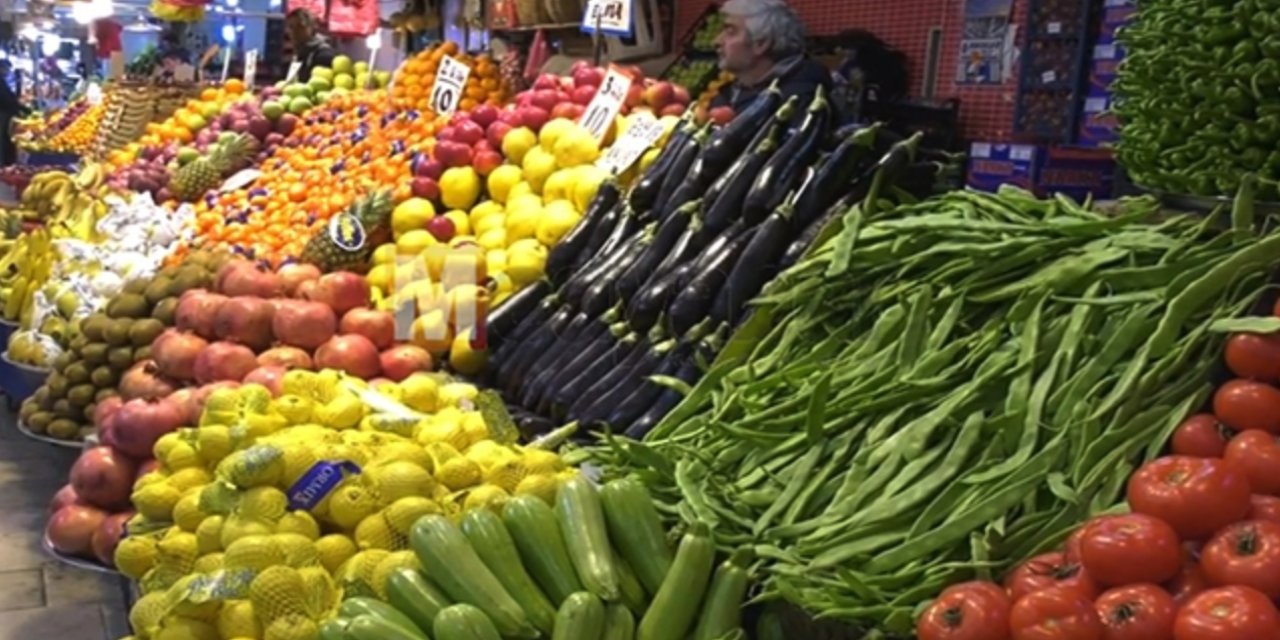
(650, 283)
(596, 566)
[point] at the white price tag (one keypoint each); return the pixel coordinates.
(93, 93)
(638, 138)
(226, 63)
(606, 105)
(451, 78)
(1054, 28)
(250, 67)
(1021, 152)
(1095, 105)
(240, 179)
(294, 68)
(608, 16)
(980, 150)
(1048, 76)
(1104, 52)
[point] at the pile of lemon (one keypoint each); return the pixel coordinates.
(217, 547)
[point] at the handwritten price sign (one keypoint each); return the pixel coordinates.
(451, 78)
(606, 105)
(613, 17)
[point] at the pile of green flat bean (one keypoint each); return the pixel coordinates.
(946, 387)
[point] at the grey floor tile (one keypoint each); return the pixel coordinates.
(21, 589)
(72, 622)
(20, 533)
(69, 585)
(115, 621)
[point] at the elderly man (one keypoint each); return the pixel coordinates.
(763, 41)
(310, 46)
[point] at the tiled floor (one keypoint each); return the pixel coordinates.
(40, 597)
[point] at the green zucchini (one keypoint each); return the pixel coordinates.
(360, 606)
(633, 595)
(373, 627)
(450, 561)
(532, 525)
(722, 608)
(676, 605)
(415, 596)
(335, 629)
(464, 622)
(498, 552)
(636, 530)
(581, 617)
(619, 624)
(582, 524)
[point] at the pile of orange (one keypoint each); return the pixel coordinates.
(411, 88)
(185, 123)
(352, 145)
(79, 137)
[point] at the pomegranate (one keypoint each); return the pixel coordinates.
(143, 380)
(292, 275)
(108, 535)
(196, 312)
(378, 326)
(175, 353)
(70, 530)
(342, 291)
(186, 402)
(102, 477)
(105, 409)
(107, 429)
(404, 360)
(65, 496)
(305, 324)
(224, 361)
(269, 376)
(147, 467)
(243, 278)
(354, 354)
(287, 357)
(246, 320)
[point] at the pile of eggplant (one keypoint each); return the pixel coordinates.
(642, 293)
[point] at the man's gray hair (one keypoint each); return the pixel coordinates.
(772, 21)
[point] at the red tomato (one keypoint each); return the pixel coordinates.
(1257, 454)
(1137, 612)
(1055, 614)
(1196, 496)
(1048, 571)
(1071, 548)
(1129, 549)
(1254, 356)
(1246, 553)
(969, 611)
(1201, 436)
(1264, 508)
(1189, 582)
(1245, 404)
(1227, 613)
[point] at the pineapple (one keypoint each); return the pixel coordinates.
(348, 241)
(207, 172)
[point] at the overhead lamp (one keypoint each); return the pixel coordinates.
(29, 32)
(50, 44)
(374, 40)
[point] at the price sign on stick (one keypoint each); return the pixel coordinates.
(606, 105)
(226, 63)
(613, 17)
(373, 43)
(294, 68)
(451, 78)
(250, 67)
(639, 136)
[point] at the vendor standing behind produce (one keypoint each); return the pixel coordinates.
(763, 41)
(310, 46)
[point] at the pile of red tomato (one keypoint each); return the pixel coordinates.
(1198, 557)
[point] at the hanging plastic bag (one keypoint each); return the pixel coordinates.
(353, 17)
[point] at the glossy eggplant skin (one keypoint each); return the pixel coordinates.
(597, 352)
(568, 396)
(564, 256)
(693, 302)
(729, 141)
(780, 175)
(666, 401)
(677, 174)
(576, 287)
(831, 179)
(669, 232)
(645, 193)
(573, 340)
(511, 377)
(757, 264)
(627, 380)
(501, 322)
(509, 346)
(728, 206)
(677, 364)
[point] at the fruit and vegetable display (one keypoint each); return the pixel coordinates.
(72, 129)
(1195, 100)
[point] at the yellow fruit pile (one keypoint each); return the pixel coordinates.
(216, 547)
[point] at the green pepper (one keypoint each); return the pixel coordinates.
(1245, 51)
(1266, 130)
(1237, 100)
(1224, 34)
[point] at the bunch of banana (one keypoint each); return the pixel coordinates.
(55, 195)
(129, 111)
(23, 271)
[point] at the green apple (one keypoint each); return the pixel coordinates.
(320, 84)
(342, 64)
(362, 80)
(272, 110)
(322, 97)
(322, 72)
(383, 78)
(337, 91)
(299, 105)
(296, 90)
(344, 81)
(187, 154)
(361, 67)
(227, 136)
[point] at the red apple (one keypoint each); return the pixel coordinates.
(453, 154)
(673, 109)
(442, 228)
(484, 145)
(497, 131)
(511, 116)
(444, 134)
(583, 94)
(486, 161)
(378, 326)
(484, 115)
(545, 99)
(534, 118)
(659, 95)
(546, 81)
(721, 115)
(404, 360)
(564, 110)
(429, 168)
(574, 111)
(587, 76)
(424, 187)
(681, 94)
(635, 95)
(458, 118)
(468, 132)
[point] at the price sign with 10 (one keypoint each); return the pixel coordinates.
(451, 78)
(606, 105)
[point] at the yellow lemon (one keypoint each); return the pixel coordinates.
(649, 157)
(518, 142)
(411, 214)
(553, 131)
(503, 179)
(461, 223)
(488, 223)
(382, 276)
(415, 242)
(526, 262)
(560, 185)
(587, 185)
(538, 165)
(459, 187)
(556, 220)
(385, 254)
(522, 223)
(522, 188)
(576, 148)
(493, 239)
(484, 209)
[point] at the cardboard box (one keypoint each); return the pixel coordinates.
(992, 164)
(1076, 172)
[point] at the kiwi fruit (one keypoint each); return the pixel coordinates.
(81, 396)
(39, 421)
(144, 331)
(29, 408)
(93, 326)
(129, 305)
(120, 358)
(157, 290)
(104, 377)
(41, 397)
(103, 394)
(64, 429)
(142, 353)
(169, 271)
(88, 412)
(78, 343)
(134, 286)
(64, 409)
(61, 362)
(94, 354)
(166, 311)
(76, 373)
(57, 386)
(190, 278)
(117, 333)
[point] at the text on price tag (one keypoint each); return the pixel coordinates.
(643, 131)
(446, 93)
(250, 67)
(294, 68)
(608, 16)
(606, 105)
